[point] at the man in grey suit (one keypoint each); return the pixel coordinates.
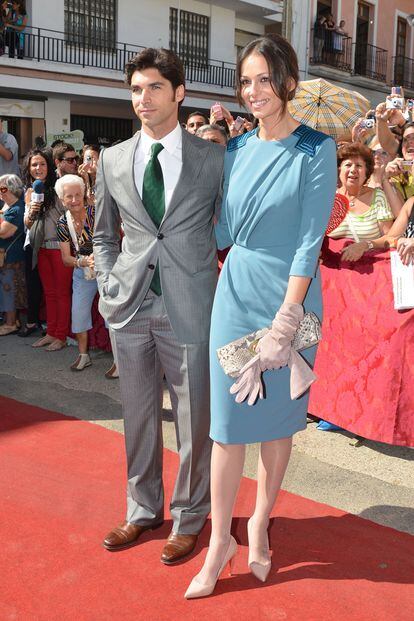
(156, 294)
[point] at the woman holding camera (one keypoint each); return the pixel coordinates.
(41, 220)
(75, 232)
(12, 286)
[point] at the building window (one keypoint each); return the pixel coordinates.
(91, 22)
(402, 65)
(192, 31)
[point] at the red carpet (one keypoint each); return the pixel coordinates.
(62, 488)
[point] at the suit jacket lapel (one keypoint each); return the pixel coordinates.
(193, 159)
(126, 171)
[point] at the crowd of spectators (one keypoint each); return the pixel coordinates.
(47, 283)
(48, 243)
(366, 342)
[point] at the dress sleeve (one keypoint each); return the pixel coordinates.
(382, 207)
(62, 230)
(318, 198)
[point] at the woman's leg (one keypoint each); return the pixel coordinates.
(48, 283)
(227, 462)
(273, 460)
(34, 289)
(62, 281)
(82, 338)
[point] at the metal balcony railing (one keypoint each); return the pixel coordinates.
(45, 45)
(403, 71)
(370, 61)
(333, 51)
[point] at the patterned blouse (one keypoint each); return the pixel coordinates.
(85, 238)
(366, 224)
(409, 231)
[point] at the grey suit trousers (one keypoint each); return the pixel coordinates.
(147, 348)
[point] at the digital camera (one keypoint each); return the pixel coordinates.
(368, 123)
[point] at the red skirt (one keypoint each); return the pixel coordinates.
(365, 361)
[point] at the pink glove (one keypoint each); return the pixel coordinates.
(249, 383)
(275, 351)
(275, 347)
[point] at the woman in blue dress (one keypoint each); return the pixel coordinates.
(279, 187)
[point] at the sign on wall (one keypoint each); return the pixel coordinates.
(75, 138)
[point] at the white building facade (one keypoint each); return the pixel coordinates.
(69, 75)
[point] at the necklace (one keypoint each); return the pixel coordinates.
(352, 199)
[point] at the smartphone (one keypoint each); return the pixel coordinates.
(217, 111)
(407, 164)
(88, 159)
(238, 123)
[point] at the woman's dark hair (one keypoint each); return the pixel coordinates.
(282, 62)
(91, 147)
(165, 61)
(356, 149)
(50, 180)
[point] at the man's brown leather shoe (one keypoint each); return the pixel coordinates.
(177, 547)
(126, 535)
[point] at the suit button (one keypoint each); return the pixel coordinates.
(151, 266)
(160, 236)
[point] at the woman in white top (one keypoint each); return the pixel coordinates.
(369, 215)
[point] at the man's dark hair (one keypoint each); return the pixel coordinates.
(197, 113)
(282, 62)
(60, 150)
(167, 62)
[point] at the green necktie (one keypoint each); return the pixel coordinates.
(153, 199)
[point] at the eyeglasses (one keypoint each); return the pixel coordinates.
(71, 160)
(3, 189)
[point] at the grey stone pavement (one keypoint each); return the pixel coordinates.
(373, 480)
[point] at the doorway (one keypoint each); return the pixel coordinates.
(362, 37)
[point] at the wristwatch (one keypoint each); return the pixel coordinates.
(370, 245)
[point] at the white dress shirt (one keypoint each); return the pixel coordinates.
(170, 158)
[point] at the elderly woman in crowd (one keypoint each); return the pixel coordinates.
(41, 220)
(12, 286)
(75, 231)
(369, 215)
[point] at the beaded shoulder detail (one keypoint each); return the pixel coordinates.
(239, 141)
(309, 139)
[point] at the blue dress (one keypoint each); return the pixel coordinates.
(277, 200)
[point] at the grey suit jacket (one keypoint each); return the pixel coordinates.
(184, 245)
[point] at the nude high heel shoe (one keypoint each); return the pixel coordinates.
(260, 570)
(197, 589)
